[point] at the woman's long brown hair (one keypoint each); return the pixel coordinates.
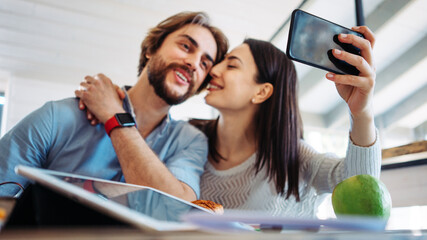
(278, 121)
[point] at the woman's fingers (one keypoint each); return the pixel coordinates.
(364, 83)
(357, 61)
(356, 90)
(367, 33)
(364, 63)
(363, 44)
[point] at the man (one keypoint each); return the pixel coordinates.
(175, 60)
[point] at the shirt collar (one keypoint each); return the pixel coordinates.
(127, 104)
(128, 107)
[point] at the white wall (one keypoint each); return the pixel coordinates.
(24, 95)
(194, 107)
(407, 185)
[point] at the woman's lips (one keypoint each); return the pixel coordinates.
(213, 86)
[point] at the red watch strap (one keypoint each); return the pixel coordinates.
(110, 124)
(88, 185)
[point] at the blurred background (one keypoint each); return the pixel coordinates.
(48, 46)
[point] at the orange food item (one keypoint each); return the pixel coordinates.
(213, 206)
(2, 214)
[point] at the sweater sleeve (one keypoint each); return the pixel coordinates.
(325, 171)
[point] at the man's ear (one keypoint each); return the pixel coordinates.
(148, 54)
(264, 92)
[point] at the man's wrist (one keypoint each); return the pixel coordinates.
(119, 120)
(103, 118)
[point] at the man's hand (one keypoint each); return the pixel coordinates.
(101, 97)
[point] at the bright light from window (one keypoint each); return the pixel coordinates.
(327, 141)
(2, 100)
(412, 218)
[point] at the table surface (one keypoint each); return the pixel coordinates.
(131, 233)
(124, 233)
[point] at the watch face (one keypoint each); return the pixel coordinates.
(125, 119)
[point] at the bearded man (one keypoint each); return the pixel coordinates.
(138, 141)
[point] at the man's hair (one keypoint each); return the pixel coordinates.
(157, 35)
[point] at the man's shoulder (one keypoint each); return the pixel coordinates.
(67, 103)
(181, 124)
(59, 111)
(184, 127)
(65, 107)
(55, 108)
(66, 120)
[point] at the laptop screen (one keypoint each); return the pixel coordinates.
(147, 201)
(144, 207)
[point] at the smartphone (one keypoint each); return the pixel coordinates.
(311, 40)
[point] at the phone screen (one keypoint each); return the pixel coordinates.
(311, 40)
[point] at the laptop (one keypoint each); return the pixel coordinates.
(143, 207)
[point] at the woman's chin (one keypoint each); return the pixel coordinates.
(209, 100)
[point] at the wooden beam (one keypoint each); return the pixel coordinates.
(411, 148)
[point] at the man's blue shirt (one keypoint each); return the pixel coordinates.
(59, 137)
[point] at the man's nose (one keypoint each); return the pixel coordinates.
(191, 61)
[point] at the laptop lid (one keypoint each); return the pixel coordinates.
(143, 207)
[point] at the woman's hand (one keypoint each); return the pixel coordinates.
(358, 91)
(101, 97)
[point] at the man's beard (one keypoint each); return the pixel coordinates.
(157, 70)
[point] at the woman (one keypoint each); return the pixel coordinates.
(257, 158)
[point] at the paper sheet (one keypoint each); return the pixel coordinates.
(233, 220)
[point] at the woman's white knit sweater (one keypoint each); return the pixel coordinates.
(240, 188)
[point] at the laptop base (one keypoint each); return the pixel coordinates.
(41, 207)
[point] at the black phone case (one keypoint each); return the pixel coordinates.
(343, 66)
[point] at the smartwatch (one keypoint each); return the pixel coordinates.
(119, 120)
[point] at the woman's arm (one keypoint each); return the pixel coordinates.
(357, 91)
(324, 171)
